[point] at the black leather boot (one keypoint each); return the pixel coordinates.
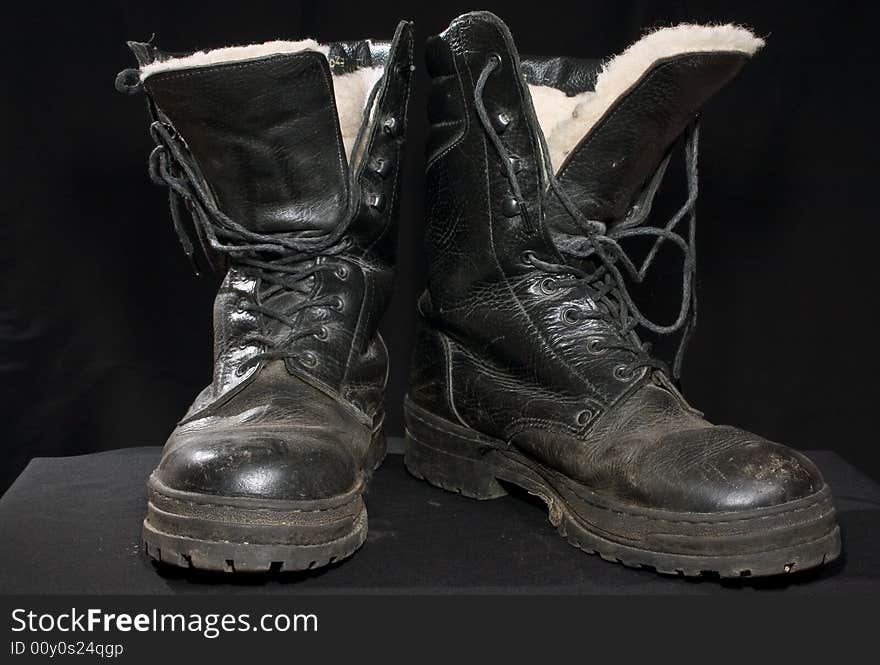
(286, 155)
(528, 368)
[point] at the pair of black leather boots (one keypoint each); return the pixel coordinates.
(528, 369)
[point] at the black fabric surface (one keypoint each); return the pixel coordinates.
(72, 525)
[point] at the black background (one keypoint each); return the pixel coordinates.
(105, 335)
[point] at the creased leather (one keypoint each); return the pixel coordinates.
(613, 161)
(481, 292)
(277, 438)
(265, 136)
(495, 351)
(571, 75)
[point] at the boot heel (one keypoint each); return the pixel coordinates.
(449, 456)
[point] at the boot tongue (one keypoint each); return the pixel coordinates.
(617, 134)
(262, 124)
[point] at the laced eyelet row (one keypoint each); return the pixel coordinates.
(293, 259)
(603, 241)
(383, 167)
(513, 204)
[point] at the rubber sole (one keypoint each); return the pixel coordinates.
(781, 539)
(248, 535)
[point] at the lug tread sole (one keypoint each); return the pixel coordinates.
(478, 478)
(231, 557)
(236, 556)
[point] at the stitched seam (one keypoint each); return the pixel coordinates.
(172, 75)
(172, 499)
(446, 345)
(443, 429)
(551, 425)
(466, 120)
(590, 502)
(735, 520)
(307, 543)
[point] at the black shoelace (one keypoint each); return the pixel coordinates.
(607, 284)
(277, 262)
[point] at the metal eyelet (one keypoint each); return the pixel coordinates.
(527, 258)
(240, 370)
(497, 58)
(308, 359)
(622, 373)
(338, 304)
(594, 346)
(241, 305)
(342, 272)
(501, 121)
(584, 417)
(376, 201)
(322, 334)
(391, 126)
(548, 286)
(510, 206)
(570, 315)
(382, 167)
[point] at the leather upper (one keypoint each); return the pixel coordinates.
(507, 326)
(274, 437)
(503, 347)
(611, 163)
(571, 75)
(264, 136)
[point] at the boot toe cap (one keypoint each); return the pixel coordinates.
(720, 469)
(257, 464)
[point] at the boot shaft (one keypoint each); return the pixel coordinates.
(512, 321)
(287, 155)
(285, 141)
(265, 134)
(618, 127)
(607, 127)
(490, 318)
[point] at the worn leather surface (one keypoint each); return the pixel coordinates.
(613, 161)
(352, 55)
(496, 351)
(275, 437)
(265, 136)
(571, 75)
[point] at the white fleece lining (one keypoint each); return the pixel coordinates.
(352, 90)
(566, 120)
